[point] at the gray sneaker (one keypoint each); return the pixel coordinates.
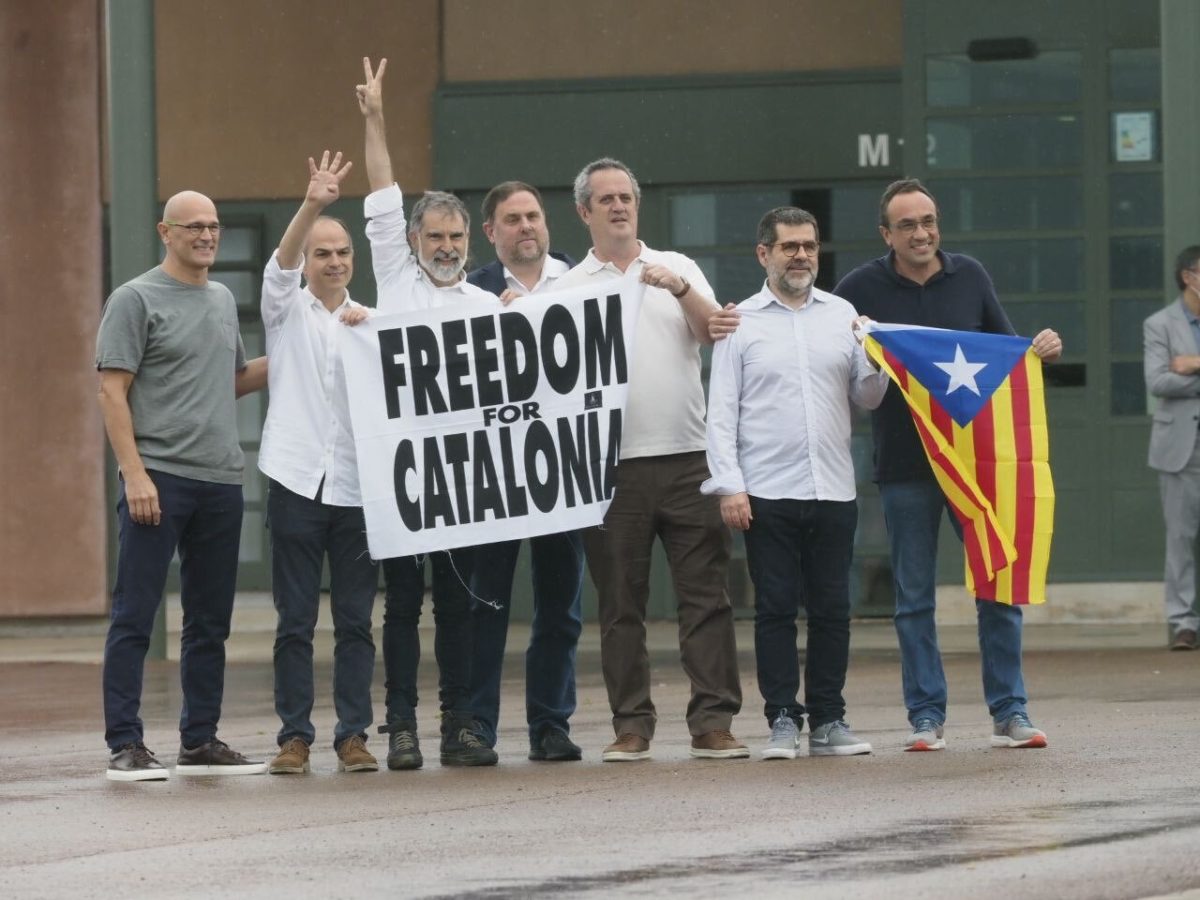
(785, 738)
(835, 739)
(927, 734)
(1017, 731)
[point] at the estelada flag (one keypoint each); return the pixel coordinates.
(979, 406)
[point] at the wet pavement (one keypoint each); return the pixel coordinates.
(1109, 810)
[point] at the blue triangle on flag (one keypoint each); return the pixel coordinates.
(960, 369)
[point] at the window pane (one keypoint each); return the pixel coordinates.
(1135, 263)
(252, 537)
(1135, 74)
(252, 339)
(733, 278)
(252, 479)
(1051, 77)
(1009, 204)
(244, 285)
(1127, 316)
(1067, 317)
(846, 213)
(841, 263)
(1005, 142)
(1128, 389)
(250, 417)
(729, 217)
(1031, 267)
(239, 245)
(1135, 200)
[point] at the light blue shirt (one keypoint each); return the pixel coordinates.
(779, 400)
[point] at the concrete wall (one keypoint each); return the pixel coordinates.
(52, 503)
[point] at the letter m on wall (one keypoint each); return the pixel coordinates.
(873, 150)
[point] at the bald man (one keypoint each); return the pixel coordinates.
(171, 362)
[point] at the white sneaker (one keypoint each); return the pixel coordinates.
(926, 735)
(835, 739)
(785, 739)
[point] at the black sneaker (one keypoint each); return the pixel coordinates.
(461, 746)
(216, 758)
(553, 745)
(134, 762)
(404, 748)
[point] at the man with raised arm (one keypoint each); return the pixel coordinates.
(314, 508)
(514, 220)
(419, 265)
(658, 486)
(171, 362)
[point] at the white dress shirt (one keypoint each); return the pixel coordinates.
(552, 270)
(665, 411)
(402, 284)
(306, 438)
(779, 400)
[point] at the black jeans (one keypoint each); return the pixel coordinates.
(204, 521)
(404, 579)
(302, 532)
(801, 550)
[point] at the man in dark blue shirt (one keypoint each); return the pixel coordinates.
(917, 283)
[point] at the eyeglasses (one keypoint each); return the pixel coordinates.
(908, 226)
(195, 229)
(792, 248)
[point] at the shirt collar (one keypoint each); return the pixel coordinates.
(313, 298)
(766, 297)
(592, 265)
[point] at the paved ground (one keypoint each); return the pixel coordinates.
(1110, 810)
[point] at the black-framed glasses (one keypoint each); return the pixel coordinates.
(195, 229)
(792, 248)
(909, 226)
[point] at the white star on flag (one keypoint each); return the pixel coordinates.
(962, 373)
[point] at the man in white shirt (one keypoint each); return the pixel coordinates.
(419, 265)
(514, 220)
(658, 486)
(314, 508)
(779, 451)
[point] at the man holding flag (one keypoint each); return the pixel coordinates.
(917, 284)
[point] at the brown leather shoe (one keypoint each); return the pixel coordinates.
(353, 756)
(292, 758)
(627, 748)
(1184, 639)
(718, 745)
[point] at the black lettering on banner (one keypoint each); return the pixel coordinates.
(571, 450)
(458, 365)
(538, 439)
(514, 493)
(405, 462)
(437, 494)
(515, 331)
(486, 494)
(426, 363)
(614, 452)
(487, 361)
(457, 456)
(604, 349)
(558, 322)
(391, 345)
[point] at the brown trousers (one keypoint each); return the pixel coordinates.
(659, 496)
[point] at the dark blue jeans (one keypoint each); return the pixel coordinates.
(302, 532)
(203, 520)
(557, 561)
(801, 549)
(404, 579)
(913, 511)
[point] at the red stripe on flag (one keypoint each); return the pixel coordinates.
(941, 419)
(983, 439)
(1026, 491)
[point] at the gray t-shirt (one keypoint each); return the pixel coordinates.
(181, 343)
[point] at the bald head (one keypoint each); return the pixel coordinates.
(190, 232)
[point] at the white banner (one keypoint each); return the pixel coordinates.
(477, 423)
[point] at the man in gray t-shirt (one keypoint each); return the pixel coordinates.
(171, 362)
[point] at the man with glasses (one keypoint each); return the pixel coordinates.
(658, 486)
(1172, 365)
(171, 362)
(917, 283)
(779, 452)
